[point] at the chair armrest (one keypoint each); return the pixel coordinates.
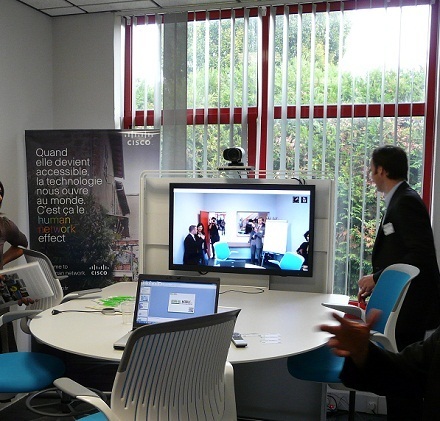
(17, 314)
(80, 392)
(78, 294)
(347, 309)
(230, 405)
(383, 341)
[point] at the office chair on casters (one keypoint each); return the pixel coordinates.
(171, 371)
(24, 372)
(54, 281)
(323, 366)
(58, 297)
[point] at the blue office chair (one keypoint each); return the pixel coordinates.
(290, 261)
(323, 366)
(222, 251)
(25, 372)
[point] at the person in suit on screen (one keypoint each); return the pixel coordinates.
(404, 236)
(256, 241)
(192, 249)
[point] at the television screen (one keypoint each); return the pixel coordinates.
(238, 227)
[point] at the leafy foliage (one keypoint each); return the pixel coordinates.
(311, 47)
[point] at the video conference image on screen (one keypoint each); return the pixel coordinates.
(242, 228)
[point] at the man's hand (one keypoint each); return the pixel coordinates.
(351, 338)
(366, 286)
(26, 301)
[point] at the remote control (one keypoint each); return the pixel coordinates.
(238, 340)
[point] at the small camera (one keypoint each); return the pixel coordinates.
(234, 155)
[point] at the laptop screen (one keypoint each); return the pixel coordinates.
(165, 298)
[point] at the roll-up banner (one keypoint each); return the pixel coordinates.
(83, 198)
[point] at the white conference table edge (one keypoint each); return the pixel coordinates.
(275, 324)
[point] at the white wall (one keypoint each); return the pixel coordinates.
(54, 73)
(26, 95)
(84, 71)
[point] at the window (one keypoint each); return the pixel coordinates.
(308, 88)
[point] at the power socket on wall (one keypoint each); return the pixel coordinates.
(365, 402)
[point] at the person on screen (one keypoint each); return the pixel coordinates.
(213, 234)
(201, 239)
(192, 250)
(303, 250)
(256, 241)
(222, 226)
(9, 233)
(248, 226)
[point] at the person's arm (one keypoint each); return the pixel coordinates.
(11, 254)
(16, 239)
(260, 232)
(351, 338)
(371, 368)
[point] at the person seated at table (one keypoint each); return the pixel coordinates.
(415, 371)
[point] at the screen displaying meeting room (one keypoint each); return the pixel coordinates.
(304, 100)
(179, 202)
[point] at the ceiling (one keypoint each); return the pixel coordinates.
(55, 8)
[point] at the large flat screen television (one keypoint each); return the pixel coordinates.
(242, 227)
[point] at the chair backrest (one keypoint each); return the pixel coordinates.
(175, 370)
(222, 251)
(388, 296)
(291, 261)
(51, 276)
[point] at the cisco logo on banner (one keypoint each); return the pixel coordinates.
(101, 270)
(138, 138)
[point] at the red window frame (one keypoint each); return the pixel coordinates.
(426, 109)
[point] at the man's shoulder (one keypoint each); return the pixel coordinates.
(5, 221)
(405, 191)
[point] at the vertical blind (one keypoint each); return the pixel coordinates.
(308, 89)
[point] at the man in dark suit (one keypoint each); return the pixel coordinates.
(192, 251)
(256, 241)
(404, 236)
(413, 371)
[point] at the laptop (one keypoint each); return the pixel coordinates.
(164, 298)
